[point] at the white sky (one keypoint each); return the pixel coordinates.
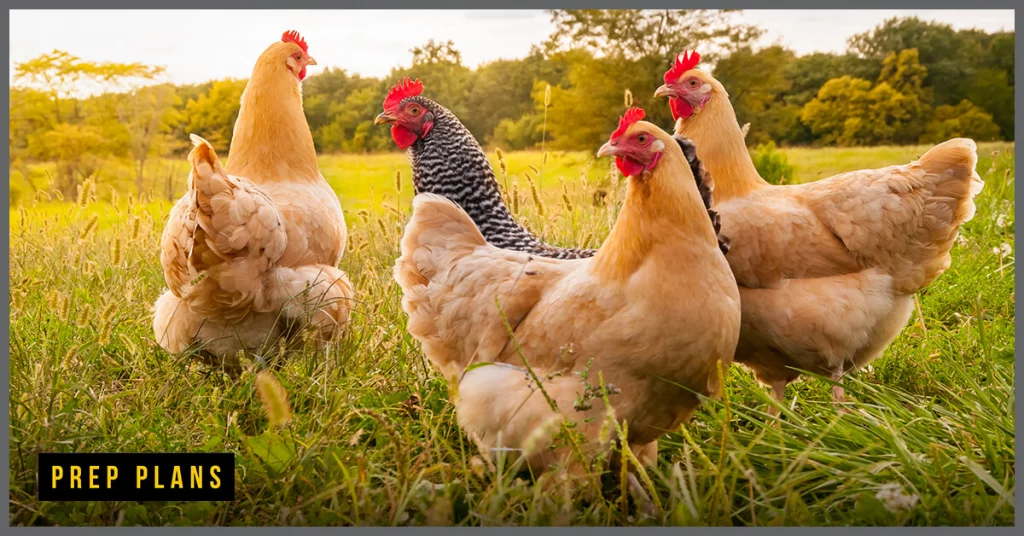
(196, 46)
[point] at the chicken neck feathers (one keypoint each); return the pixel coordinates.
(272, 143)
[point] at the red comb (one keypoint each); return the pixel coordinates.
(291, 36)
(403, 89)
(631, 116)
(689, 61)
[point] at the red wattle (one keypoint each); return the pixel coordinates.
(628, 166)
(403, 137)
(680, 108)
(302, 73)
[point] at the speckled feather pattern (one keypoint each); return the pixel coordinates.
(450, 163)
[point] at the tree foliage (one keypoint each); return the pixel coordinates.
(635, 34)
(963, 120)
(905, 81)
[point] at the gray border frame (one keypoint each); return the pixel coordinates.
(474, 4)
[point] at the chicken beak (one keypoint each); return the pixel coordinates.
(384, 118)
(607, 150)
(665, 91)
(310, 60)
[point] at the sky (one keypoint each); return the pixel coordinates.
(196, 46)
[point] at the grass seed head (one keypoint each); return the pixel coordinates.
(501, 162)
(383, 228)
(116, 251)
(537, 201)
(515, 196)
(136, 227)
(83, 315)
(566, 200)
(85, 191)
(274, 398)
(90, 226)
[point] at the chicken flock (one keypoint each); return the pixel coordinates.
(533, 337)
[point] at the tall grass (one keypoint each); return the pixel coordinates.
(364, 433)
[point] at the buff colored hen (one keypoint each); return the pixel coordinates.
(827, 270)
(613, 308)
(250, 252)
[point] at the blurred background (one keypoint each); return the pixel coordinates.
(113, 95)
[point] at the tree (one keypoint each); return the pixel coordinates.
(756, 80)
(435, 52)
(585, 108)
(351, 128)
(848, 111)
(523, 133)
(991, 89)
(948, 55)
(77, 150)
(57, 74)
(213, 114)
(905, 75)
(963, 120)
(501, 93)
(838, 109)
(61, 76)
(635, 34)
(149, 114)
(321, 95)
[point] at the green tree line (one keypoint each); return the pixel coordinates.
(905, 81)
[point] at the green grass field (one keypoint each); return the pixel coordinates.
(373, 440)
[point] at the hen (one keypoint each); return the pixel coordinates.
(827, 270)
(250, 252)
(448, 161)
(611, 314)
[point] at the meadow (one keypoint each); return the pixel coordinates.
(372, 439)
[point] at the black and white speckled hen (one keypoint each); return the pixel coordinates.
(448, 161)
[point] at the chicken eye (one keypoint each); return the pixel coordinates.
(414, 110)
(693, 82)
(642, 139)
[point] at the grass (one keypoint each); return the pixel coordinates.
(373, 440)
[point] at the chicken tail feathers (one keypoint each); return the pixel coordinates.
(950, 178)
(438, 233)
(238, 234)
(956, 181)
(940, 188)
